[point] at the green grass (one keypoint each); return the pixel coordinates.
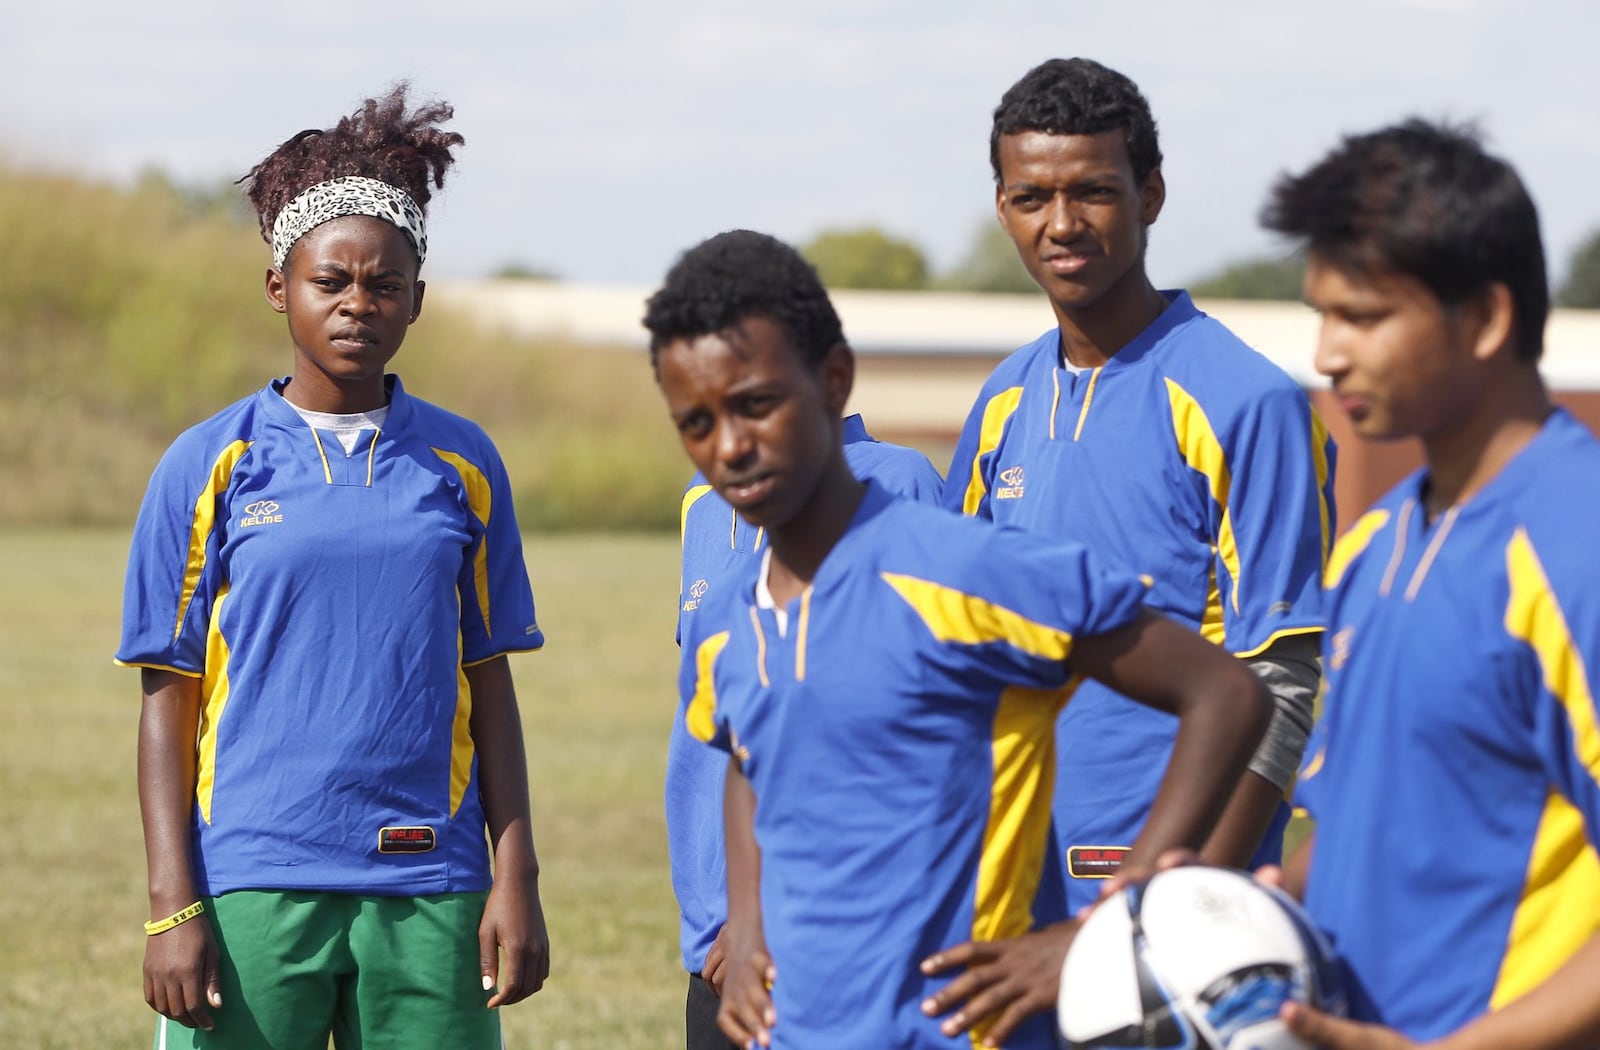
(596, 704)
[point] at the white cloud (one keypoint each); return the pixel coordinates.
(603, 140)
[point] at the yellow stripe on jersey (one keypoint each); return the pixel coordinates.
(1352, 543)
(1055, 399)
(694, 494)
(800, 636)
(205, 519)
(699, 719)
(213, 699)
(1017, 834)
(761, 647)
(461, 746)
(1198, 445)
(1088, 396)
(1014, 840)
(955, 616)
(995, 413)
(1319, 457)
(327, 471)
(478, 499)
(1534, 616)
(1213, 628)
(1273, 639)
(1556, 915)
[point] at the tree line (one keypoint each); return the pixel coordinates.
(868, 257)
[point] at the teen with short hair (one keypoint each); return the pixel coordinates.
(1147, 431)
(886, 679)
(776, 283)
(1454, 778)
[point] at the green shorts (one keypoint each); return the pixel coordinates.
(372, 972)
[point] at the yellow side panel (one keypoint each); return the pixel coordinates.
(1352, 543)
(479, 499)
(955, 616)
(700, 718)
(995, 414)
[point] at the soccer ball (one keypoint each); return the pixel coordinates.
(1194, 958)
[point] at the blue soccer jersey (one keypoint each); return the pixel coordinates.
(899, 738)
(1189, 459)
(716, 544)
(1455, 773)
(328, 602)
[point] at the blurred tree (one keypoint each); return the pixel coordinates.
(989, 265)
(1582, 286)
(515, 271)
(1267, 277)
(219, 196)
(866, 258)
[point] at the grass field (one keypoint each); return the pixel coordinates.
(596, 704)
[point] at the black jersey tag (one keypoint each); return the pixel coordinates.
(1095, 862)
(405, 840)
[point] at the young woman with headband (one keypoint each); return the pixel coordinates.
(325, 580)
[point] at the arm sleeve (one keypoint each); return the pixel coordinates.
(173, 564)
(1276, 527)
(1008, 611)
(497, 610)
(969, 480)
(1552, 610)
(912, 477)
(697, 686)
(1292, 672)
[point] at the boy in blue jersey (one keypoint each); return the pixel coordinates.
(1147, 431)
(1454, 778)
(886, 678)
(324, 582)
(716, 544)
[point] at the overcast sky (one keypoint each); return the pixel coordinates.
(602, 139)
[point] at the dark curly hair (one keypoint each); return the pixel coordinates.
(1425, 200)
(1077, 96)
(381, 141)
(738, 274)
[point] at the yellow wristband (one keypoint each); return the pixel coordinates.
(175, 919)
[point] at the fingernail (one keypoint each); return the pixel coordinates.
(929, 1006)
(488, 982)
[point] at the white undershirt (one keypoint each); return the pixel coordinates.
(347, 428)
(764, 599)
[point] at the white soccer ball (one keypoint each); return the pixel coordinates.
(1194, 958)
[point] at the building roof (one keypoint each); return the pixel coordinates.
(955, 324)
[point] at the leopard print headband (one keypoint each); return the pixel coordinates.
(352, 195)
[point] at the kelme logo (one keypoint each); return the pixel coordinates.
(697, 590)
(261, 512)
(1012, 489)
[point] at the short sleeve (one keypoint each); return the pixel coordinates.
(1010, 613)
(703, 716)
(905, 472)
(967, 483)
(174, 573)
(1556, 616)
(1274, 528)
(497, 599)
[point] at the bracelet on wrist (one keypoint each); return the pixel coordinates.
(177, 918)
